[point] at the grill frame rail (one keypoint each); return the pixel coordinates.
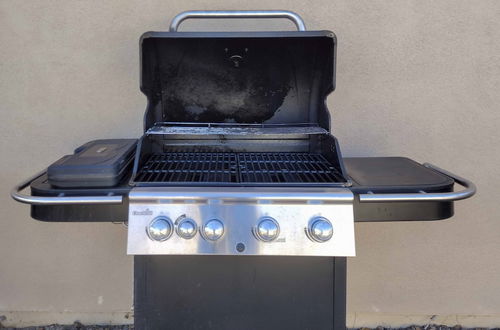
(238, 169)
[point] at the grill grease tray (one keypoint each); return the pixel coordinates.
(247, 168)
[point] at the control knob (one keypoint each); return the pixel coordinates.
(213, 230)
(186, 228)
(320, 229)
(267, 229)
(160, 229)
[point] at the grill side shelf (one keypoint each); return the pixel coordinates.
(400, 189)
(61, 198)
(75, 212)
(423, 196)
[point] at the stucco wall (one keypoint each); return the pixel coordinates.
(415, 78)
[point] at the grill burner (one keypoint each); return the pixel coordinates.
(247, 167)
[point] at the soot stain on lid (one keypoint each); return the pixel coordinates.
(215, 91)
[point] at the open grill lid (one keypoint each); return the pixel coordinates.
(238, 77)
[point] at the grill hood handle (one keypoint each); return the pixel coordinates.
(295, 18)
(469, 191)
(59, 200)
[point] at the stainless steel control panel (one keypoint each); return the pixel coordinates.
(241, 221)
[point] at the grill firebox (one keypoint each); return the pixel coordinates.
(238, 168)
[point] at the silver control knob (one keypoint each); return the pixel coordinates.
(320, 229)
(160, 229)
(186, 228)
(267, 229)
(213, 230)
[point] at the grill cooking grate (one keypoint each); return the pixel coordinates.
(189, 167)
(285, 167)
(248, 167)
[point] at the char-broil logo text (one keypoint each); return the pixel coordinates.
(144, 212)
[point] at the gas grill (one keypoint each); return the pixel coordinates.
(240, 207)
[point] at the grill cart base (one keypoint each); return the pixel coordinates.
(231, 292)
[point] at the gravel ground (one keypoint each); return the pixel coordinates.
(429, 327)
(74, 326)
(79, 326)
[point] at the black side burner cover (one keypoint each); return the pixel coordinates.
(99, 163)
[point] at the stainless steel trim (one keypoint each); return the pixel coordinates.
(225, 129)
(469, 191)
(207, 124)
(16, 194)
(235, 194)
(294, 17)
(240, 220)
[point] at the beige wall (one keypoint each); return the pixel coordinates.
(415, 78)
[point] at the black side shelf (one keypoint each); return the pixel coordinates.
(80, 212)
(379, 175)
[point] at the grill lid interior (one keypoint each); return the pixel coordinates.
(248, 78)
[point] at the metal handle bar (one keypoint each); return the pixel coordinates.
(58, 200)
(469, 191)
(295, 18)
